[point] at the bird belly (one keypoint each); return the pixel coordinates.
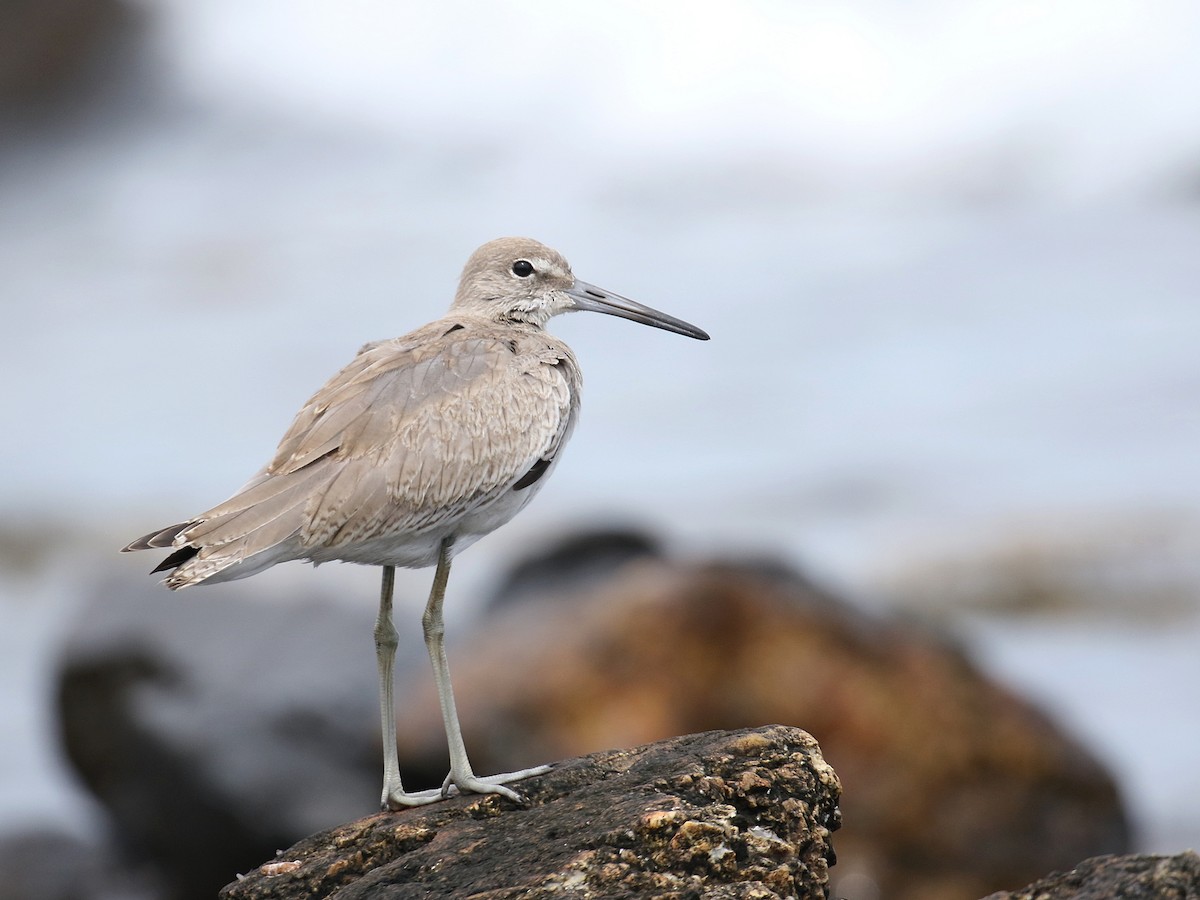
(416, 550)
(406, 551)
(491, 515)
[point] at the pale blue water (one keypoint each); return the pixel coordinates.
(950, 261)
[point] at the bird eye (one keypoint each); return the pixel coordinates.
(522, 268)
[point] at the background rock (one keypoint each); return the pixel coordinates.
(44, 865)
(215, 730)
(54, 53)
(1126, 877)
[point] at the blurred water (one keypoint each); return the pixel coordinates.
(949, 256)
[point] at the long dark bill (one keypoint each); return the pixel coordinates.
(590, 298)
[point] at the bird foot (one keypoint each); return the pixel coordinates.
(395, 799)
(488, 784)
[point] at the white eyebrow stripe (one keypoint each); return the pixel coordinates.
(547, 266)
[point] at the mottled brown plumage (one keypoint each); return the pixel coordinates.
(417, 448)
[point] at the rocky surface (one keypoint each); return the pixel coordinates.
(1126, 877)
(720, 815)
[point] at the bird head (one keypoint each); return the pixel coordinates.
(520, 279)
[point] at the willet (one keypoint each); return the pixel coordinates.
(415, 450)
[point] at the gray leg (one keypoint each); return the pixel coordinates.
(461, 775)
(394, 796)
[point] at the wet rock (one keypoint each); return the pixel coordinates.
(1127, 877)
(720, 815)
(954, 786)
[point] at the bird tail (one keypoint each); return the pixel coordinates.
(253, 530)
(194, 563)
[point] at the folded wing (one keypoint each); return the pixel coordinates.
(410, 435)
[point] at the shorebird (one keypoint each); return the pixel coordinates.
(419, 447)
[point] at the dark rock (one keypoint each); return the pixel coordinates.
(43, 865)
(1126, 877)
(52, 48)
(720, 815)
(954, 786)
(215, 729)
(168, 811)
(578, 560)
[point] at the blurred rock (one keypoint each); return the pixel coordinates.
(43, 865)
(953, 786)
(48, 864)
(52, 50)
(719, 815)
(167, 806)
(216, 729)
(1126, 877)
(584, 559)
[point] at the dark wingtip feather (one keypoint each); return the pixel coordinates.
(537, 471)
(176, 559)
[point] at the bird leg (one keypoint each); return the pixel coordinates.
(394, 796)
(461, 775)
